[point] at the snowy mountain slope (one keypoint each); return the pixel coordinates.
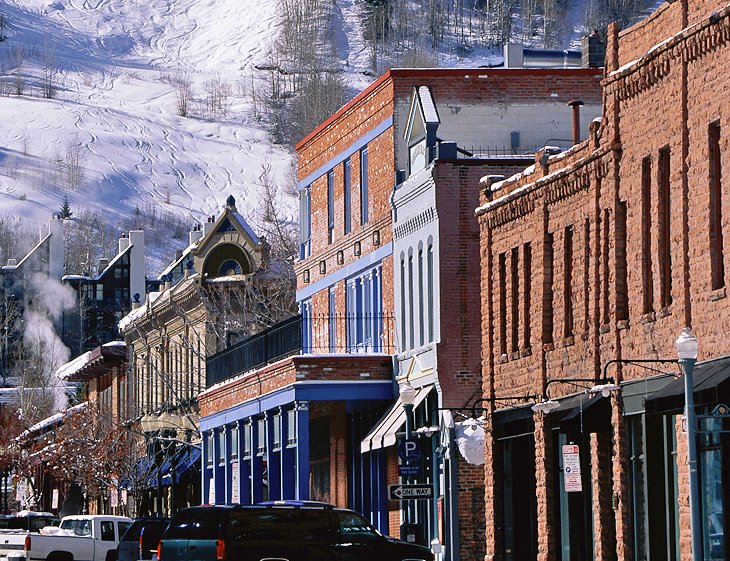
(115, 111)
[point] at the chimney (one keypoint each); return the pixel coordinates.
(195, 234)
(514, 55)
(593, 51)
(208, 226)
(103, 263)
(12, 262)
(575, 104)
(137, 278)
(123, 242)
(56, 248)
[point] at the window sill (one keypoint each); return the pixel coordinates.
(605, 328)
(664, 312)
(515, 355)
(622, 324)
(502, 359)
(718, 294)
(568, 341)
(648, 317)
(527, 351)
(547, 347)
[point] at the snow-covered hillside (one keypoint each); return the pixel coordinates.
(110, 138)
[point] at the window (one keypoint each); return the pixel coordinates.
(665, 240)
(717, 264)
(99, 291)
(234, 442)
(421, 318)
(411, 311)
(515, 299)
(331, 206)
(547, 309)
(291, 427)
(429, 276)
(221, 446)
(527, 281)
(247, 433)
(605, 266)
(305, 222)
(209, 449)
(568, 282)
(276, 440)
(364, 312)
(332, 320)
(261, 436)
(347, 197)
(647, 277)
(107, 531)
(364, 186)
(402, 303)
(622, 284)
(503, 303)
(305, 309)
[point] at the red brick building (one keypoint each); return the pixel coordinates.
(592, 263)
(388, 185)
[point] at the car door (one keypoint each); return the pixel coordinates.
(319, 534)
(255, 534)
(358, 540)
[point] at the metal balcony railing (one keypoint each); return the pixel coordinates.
(317, 334)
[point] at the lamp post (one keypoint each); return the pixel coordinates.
(407, 398)
(687, 353)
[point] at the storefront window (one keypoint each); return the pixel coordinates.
(713, 470)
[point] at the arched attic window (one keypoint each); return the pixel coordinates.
(226, 260)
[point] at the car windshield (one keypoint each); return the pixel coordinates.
(196, 524)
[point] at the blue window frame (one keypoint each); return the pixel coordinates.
(332, 320)
(347, 197)
(305, 309)
(331, 205)
(364, 312)
(364, 216)
(305, 222)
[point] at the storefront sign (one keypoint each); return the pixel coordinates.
(235, 493)
(54, 499)
(571, 469)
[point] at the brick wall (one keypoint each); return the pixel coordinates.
(597, 296)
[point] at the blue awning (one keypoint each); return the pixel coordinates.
(185, 460)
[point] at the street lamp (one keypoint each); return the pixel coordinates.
(407, 398)
(687, 352)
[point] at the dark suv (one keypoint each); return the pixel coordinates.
(280, 532)
(141, 539)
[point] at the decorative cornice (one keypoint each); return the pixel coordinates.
(413, 224)
(688, 45)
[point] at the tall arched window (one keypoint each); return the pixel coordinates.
(402, 303)
(411, 311)
(421, 315)
(429, 291)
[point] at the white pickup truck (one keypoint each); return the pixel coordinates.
(78, 538)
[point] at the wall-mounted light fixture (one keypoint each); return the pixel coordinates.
(340, 257)
(323, 267)
(376, 237)
(305, 275)
(356, 249)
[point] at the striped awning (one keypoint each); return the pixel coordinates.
(384, 433)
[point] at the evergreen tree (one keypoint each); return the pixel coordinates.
(65, 211)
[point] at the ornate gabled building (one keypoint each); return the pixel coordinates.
(225, 293)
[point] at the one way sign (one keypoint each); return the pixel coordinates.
(410, 492)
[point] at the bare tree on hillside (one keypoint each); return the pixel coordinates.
(48, 79)
(183, 91)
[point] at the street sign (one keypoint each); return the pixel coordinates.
(409, 450)
(409, 470)
(572, 482)
(410, 492)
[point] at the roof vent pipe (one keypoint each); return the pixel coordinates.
(575, 104)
